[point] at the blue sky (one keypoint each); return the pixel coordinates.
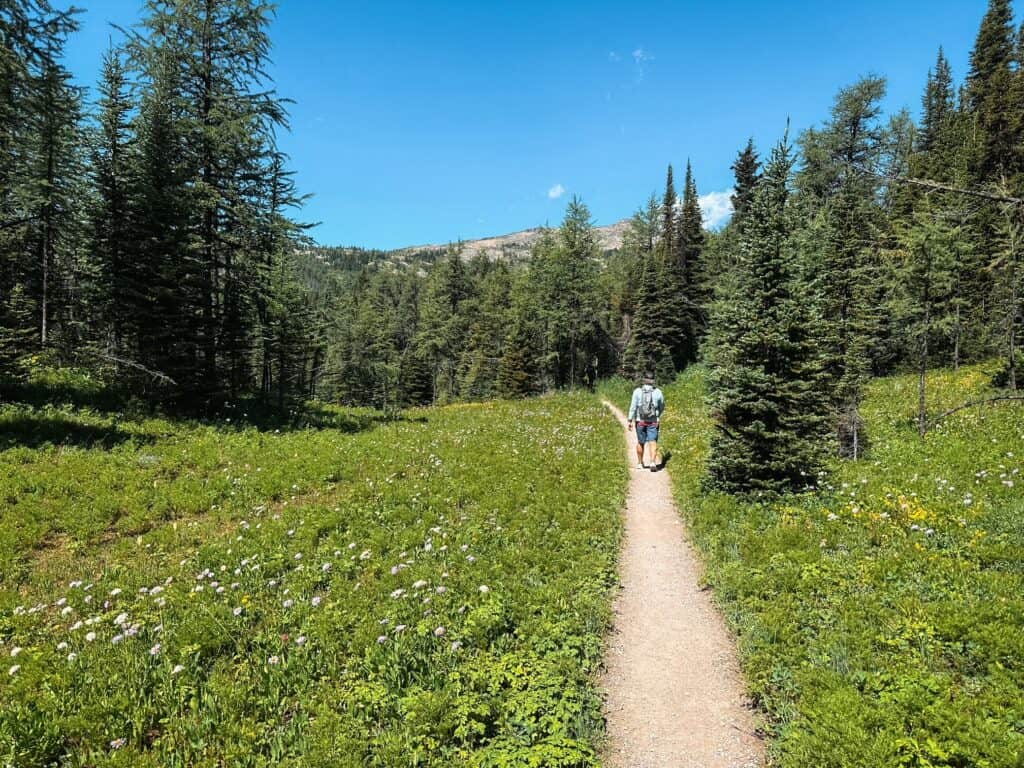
(424, 122)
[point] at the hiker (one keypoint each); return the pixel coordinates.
(645, 411)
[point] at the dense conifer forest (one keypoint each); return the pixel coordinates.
(151, 234)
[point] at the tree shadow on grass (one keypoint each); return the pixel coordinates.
(39, 430)
(244, 413)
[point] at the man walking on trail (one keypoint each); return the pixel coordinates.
(645, 411)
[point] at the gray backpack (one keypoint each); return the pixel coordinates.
(648, 409)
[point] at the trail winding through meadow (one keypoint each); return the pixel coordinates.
(673, 691)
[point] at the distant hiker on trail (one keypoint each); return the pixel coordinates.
(645, 411)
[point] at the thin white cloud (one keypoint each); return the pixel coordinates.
(640, 56)
(716, 208)
(613, 56)
(556, 192)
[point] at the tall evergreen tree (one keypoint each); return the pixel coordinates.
(110, 218)
(938, 103)
(691, 250)
(226, 119)
(833, 182)
(669, 202)
(39, 173)
(747, 170)
(989, 90)
(764, 379)
(927, 273)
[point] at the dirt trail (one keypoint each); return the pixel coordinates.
(673, 692)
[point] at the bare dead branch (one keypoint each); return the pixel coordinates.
(974, 404)
(936, 186)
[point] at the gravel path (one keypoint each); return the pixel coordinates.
(673, 691)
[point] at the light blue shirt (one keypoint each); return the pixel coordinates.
(659, 401)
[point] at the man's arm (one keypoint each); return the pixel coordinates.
(634, 402)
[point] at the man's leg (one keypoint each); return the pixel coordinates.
(639, 453)
(653, 454)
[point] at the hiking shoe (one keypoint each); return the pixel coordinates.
(641, 465)
(654, 467)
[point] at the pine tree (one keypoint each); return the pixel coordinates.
(927, 274)
(764, 379)
(625, 273)
(487, 320)
(691, 249)
(519, 370)
(1009, 287)
(649, 344)
(832, 182)
(40, 170)
(668, 236)
(938, 104)
(110, 218)
(747, 170)
(442, 324)
(225, 117)
(564, 274)
(165, 282)
(989, 90)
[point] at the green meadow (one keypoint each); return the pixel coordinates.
(348, 592)
(880, 618)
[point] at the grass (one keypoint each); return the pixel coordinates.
(880, 619)
(431, 592)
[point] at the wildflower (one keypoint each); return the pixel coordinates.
(289, 603)
(237, 611)
(298, 555)
(484, 589)
(400, 628)
(90, 636)
(456, 645)
(178, 669)
(14, 670)
(315, 602)
(116, 639)
(118, 743)
(15, 651)
(470, 559)
(115, 592)
(326, 567)
(365, 555)
(62, 646)
(274, 660)
(441, 590)
(832, 516)
(440, 632)
(397, 594)
(72, 656)
(382, 639)
(155, 650)
(419, 584)
(300, 640)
